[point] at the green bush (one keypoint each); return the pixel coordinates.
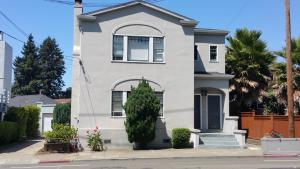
(181, 138)
(60, 133)
(62, 114)
(142, 109)
(18, 115)
(33, 120)
(8, 132)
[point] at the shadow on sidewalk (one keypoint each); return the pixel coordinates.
(17, 146)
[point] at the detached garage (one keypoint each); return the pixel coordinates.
(45, 103)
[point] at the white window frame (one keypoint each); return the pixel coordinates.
(125, 49)
(124, 100)
(217, 51)
(111, 101)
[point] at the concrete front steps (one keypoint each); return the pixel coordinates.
(218, 140)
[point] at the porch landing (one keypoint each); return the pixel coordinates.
(218, 140)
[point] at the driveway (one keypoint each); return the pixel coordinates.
(20, 152)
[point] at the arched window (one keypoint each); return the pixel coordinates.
(138, 43)
(121, 91)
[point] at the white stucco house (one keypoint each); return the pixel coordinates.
(45, 104)
(115, 47)
(5, 73)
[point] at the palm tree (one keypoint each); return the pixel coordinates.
(248, 59)
(295, 48)
(279, 83)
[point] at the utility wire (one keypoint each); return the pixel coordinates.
(15, 25)
(94, 4)
(238, 14)
(12, 37)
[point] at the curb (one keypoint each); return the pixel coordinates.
(155, 158)
(281, 155)
(54, 161)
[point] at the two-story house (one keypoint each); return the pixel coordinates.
(116, 47)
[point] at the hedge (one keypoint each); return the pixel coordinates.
(8, 132)
(181, 138)
(18, 115)
(33, 120)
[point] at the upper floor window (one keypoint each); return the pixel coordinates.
(138, 48)
(213, 53)
(118, 48)
(158, 49)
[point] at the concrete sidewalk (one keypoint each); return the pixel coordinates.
(29, 155)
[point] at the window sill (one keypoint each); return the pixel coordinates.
(118, 117)
(213, 61)
(138, 62)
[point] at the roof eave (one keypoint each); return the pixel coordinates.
(87, 18)
(191, 23)
(206, 76)
(210, 32)
(132, 3)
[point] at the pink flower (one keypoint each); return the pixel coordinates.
(97, 127)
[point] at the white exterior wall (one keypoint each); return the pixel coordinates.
(5, 67)
(203, 43)
(45, 109)
(175, 76)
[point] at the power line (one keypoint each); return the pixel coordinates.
(11, 36)
(244, 5)
(15, 25)
(94, 4)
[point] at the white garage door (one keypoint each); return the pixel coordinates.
(47, 118)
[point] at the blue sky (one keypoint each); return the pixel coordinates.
(42, 19)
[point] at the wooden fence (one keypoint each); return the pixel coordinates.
(257, 126)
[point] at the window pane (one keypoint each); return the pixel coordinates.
(213, 53)
(138, 48)
(117, 100)
(158, 49)
(159, 95)
(118, 47)
(195, 53)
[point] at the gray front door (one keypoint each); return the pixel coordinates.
(214, 111)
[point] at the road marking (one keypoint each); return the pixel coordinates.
(53, 166)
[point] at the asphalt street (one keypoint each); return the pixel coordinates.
(174, 163)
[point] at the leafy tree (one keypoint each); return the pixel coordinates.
(26, 70)
(52, 68)
(62, 114)
(142, 109)
(66, 94)
(248, 59)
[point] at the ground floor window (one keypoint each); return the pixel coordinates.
(117, 103)
(119, 99)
